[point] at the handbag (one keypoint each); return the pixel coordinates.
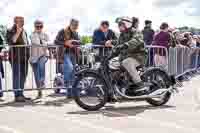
(34, 60)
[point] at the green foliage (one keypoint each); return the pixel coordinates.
(86, 39)
(3, 31)
(189, 29)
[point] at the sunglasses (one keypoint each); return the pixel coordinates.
(74, 25)
(39, 26)
(121, 24)
(19, 21)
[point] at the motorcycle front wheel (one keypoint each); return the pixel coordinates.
(90, 91)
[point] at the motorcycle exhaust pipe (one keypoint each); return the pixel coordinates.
(157, 94)
(137, 98)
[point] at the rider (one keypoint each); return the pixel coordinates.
(132, 50)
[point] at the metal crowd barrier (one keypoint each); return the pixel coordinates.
(177, 61)
(186, 60)
(158, 56)
(87, 56)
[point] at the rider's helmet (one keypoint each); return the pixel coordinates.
(127, 22)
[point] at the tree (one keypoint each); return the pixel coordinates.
(86, 39)
(189, 29)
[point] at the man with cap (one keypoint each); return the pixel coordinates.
(69, 40)
(148, 36)
(148, 32)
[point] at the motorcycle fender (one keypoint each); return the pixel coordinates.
(84, 71)
(171, 78)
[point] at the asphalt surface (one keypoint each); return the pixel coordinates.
(55, 114)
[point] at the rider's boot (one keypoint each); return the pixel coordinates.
(111, 98)
(140, 88)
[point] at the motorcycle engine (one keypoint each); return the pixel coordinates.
(117, 75)
(120, 78)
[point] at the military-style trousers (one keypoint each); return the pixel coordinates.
(130, 65)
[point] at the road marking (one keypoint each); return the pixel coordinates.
(161, 123)
(8, 129)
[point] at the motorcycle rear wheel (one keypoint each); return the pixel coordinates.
(159, 76)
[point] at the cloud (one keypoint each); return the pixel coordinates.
(56, 14)
(189, 8)
(194, 8)
(168, 3)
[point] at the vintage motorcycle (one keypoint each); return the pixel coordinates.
(93, 87)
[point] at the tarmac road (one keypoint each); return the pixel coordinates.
(55, 114)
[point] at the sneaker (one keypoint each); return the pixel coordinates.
(69, 92)
(39, 96)
(1, 95)
(20, 99)
(69, 97)
(57, 91)
(111, 99)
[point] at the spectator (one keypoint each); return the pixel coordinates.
(187, 40)
(148, 32)
(148, 35)
(177, 37)
(172, 38)
(1, 67)
(194, 51)
(198, 46)
(103, 36)
(18, 57)
(194, 40)
(161, 39)
(38, 57)
(198, 41)
(69, 38)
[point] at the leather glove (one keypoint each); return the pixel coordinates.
(123, 46)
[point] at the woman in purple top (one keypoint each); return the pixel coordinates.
(161, 39)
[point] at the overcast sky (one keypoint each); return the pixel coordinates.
(57, 13)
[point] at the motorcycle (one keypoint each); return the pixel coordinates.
(94, 87)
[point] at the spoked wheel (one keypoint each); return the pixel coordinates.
(161, 81)
(90, 92)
